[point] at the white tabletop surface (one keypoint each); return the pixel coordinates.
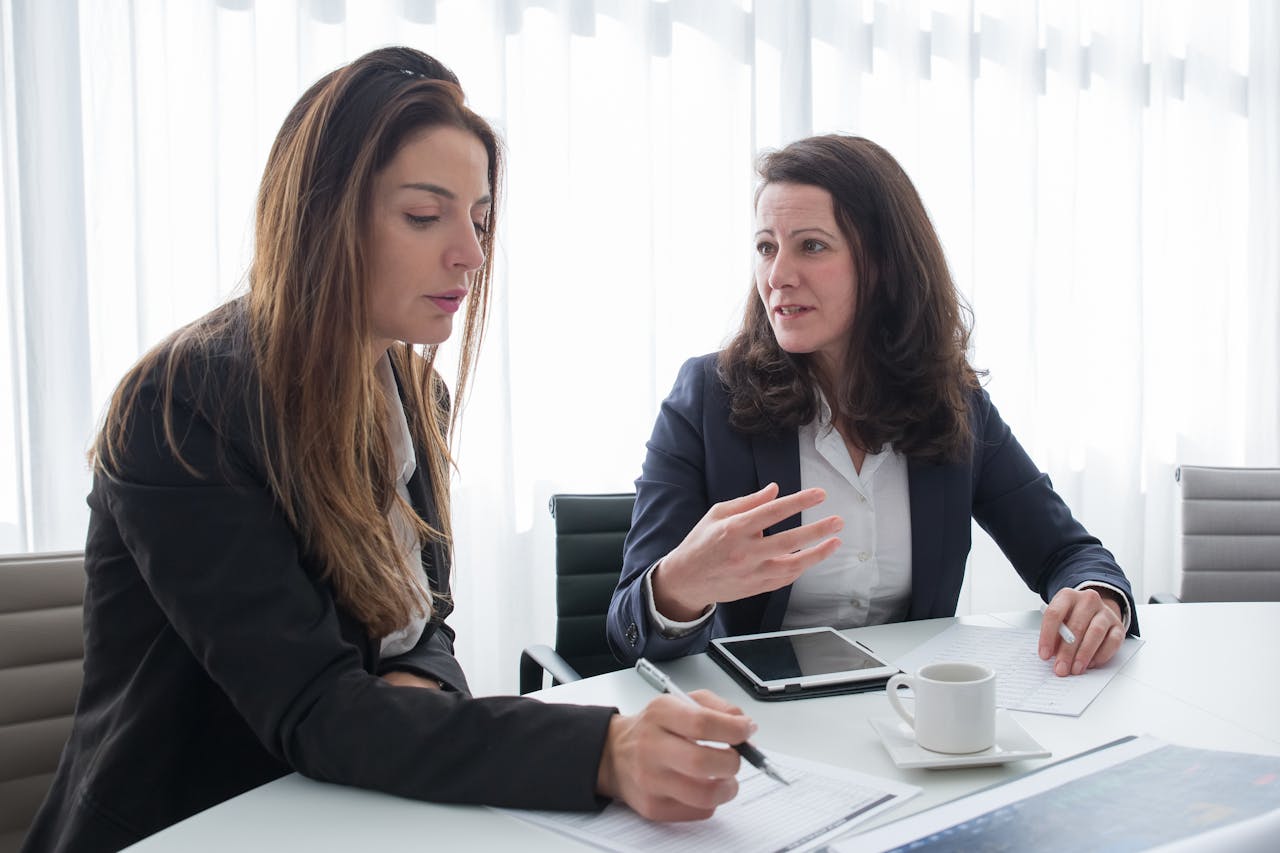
(1208, 676)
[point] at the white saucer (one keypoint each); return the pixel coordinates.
(1012, 744)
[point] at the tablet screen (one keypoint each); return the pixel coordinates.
(799, 655)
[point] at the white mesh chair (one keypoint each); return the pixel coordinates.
(41, 667)
(1230, 534)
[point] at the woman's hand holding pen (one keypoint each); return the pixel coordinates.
(1095, 622)
(653, 761)
(727, 557)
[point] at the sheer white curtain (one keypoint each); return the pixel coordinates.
(1105, 176)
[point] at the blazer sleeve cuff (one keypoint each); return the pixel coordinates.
(1120, 596)
(670, 629)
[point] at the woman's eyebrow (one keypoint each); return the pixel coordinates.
(814, 229)
(430, 188)
(436, 189)
(797, 232)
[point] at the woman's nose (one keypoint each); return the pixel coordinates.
(467, 252)
(781, 272)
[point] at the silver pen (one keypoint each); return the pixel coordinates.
(663, 684)
(1063, 631)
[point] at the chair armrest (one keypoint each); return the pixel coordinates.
(535, 659)
(1164, 598)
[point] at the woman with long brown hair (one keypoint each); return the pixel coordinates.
(268, 554)
(848, 383)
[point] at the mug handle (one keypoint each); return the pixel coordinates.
(891, 688)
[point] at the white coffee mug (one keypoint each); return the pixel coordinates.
(955, 709)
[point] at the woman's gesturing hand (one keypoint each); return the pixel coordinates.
(655, 763)
(727, 556)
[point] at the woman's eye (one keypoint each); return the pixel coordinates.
(764, 248)
(814, 245)
(480, 229)
(421, 220)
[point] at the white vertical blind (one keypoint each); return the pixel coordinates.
(1105, 175)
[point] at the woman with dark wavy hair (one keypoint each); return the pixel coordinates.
(268, 554)
(846, 405)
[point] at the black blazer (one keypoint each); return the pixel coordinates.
(696, 459)
(217, 660)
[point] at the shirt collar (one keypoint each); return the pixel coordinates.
(828, 441)
(403, 461)
(823, 420)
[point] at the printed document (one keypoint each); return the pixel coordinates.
(1135, 794)
(1023, 681)
(821, 802)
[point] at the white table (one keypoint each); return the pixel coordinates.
(1188, 684)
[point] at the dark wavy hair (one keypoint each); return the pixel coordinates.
(906, 377)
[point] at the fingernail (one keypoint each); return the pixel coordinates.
(1078, 668)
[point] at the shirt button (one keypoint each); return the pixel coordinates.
(863, 556)
(862, 499)
(633, 633)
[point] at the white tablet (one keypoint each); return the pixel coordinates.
(801, 658)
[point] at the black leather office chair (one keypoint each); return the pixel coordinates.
(590, 530)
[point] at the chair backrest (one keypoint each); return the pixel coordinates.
(41, 667)
(1230, 534)
(590, 530)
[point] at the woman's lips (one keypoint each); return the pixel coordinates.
(449, 301)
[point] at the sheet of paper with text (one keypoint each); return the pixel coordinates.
(821, 802)
(1023, 681)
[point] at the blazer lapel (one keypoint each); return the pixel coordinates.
(777, 458)
(927, 499)
(435, 561)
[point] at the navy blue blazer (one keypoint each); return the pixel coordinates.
(696, 459)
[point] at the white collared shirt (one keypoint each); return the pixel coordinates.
(867, 581)
(404, 463)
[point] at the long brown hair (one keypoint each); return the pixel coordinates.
(318, 410)
(905, 376)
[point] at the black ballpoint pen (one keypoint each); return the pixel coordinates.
(663, 683)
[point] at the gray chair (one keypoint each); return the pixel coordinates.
(41, 666)
(1230, 534)
(590, 530)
